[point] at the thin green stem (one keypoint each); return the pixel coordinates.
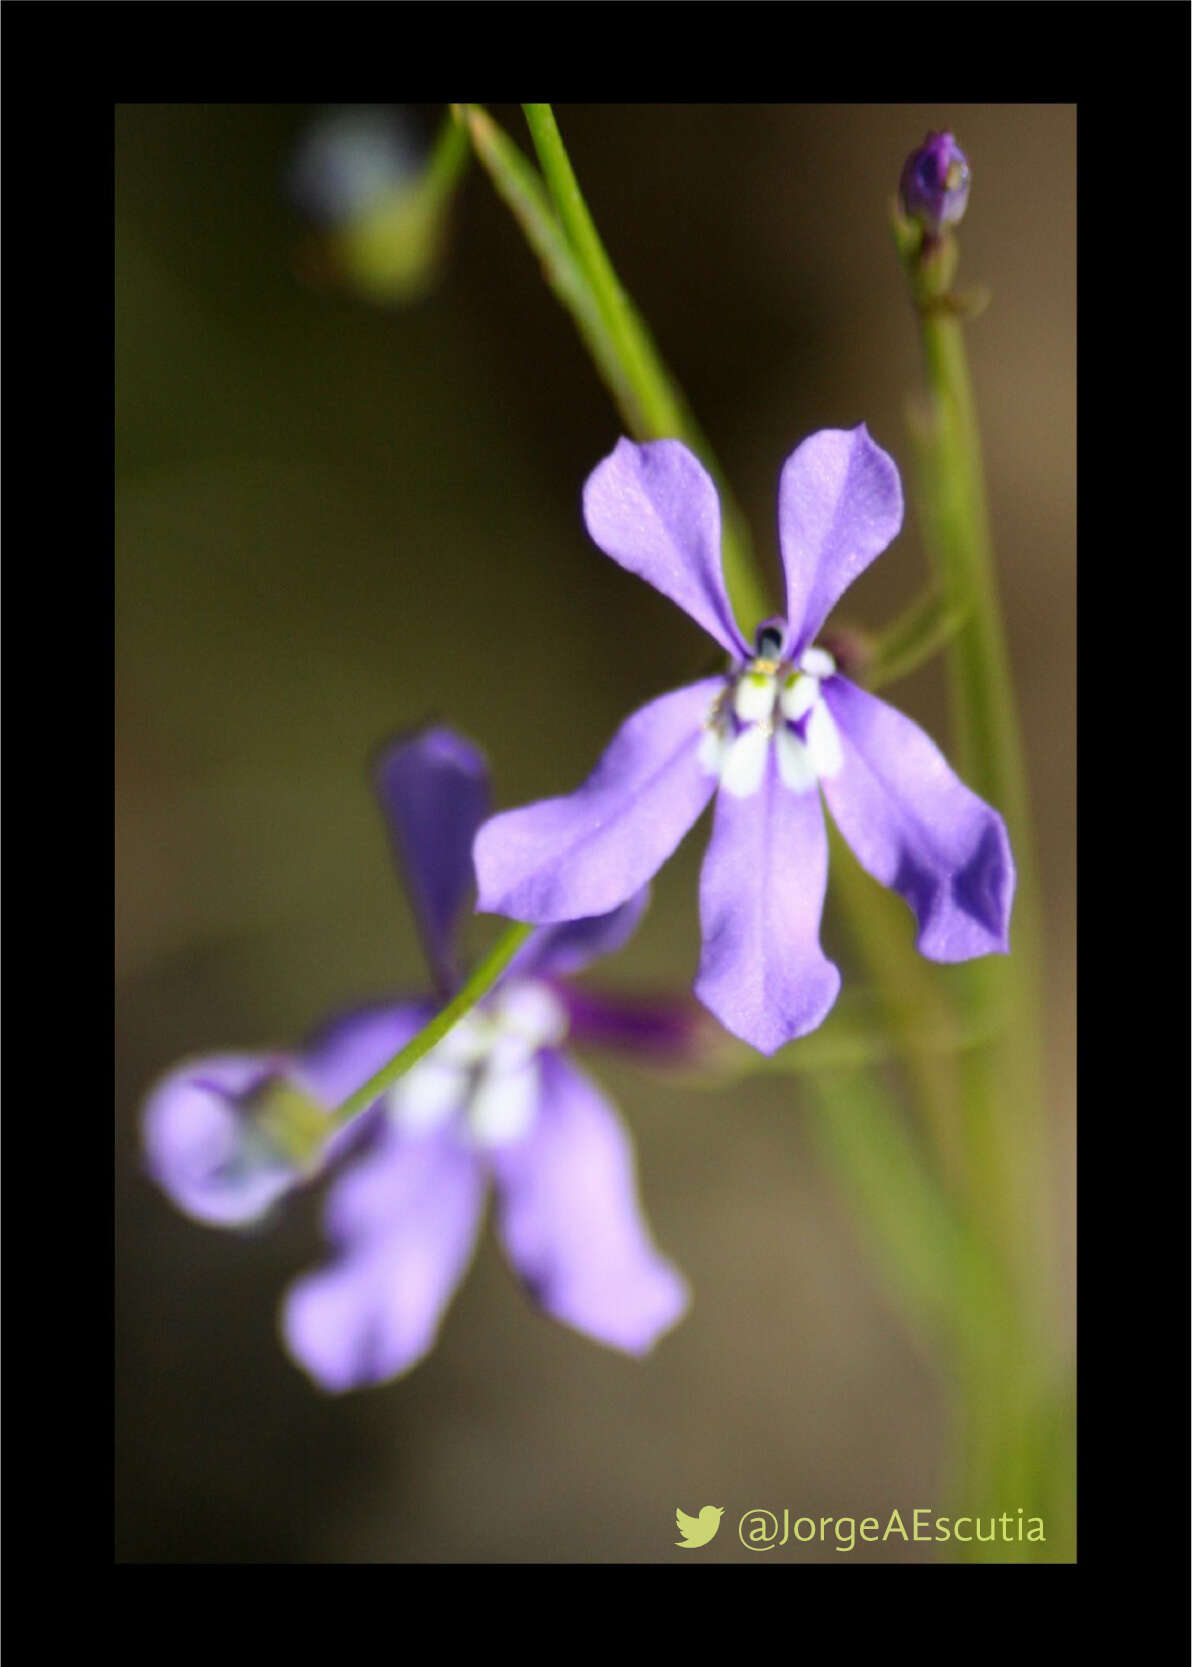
(662, 412)
(475, 988)
(913, 638)
(924, 1250)
(664, 409)
(1005, 1092)
(1016, 1440)
(448, 159)
(518, 184)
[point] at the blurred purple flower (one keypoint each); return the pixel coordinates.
(935, 181)
(496, 1099)
(782, 723)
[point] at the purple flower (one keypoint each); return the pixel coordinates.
(780, 725)
(934, 186)
(497, 1100)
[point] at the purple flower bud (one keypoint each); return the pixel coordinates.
(934, 186)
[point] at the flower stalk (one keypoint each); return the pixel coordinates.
(482, 979)
(554, 216)
(1017, 1419)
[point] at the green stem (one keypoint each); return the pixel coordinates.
(925, 1254)
(664, 409)
(518, 184)
(916, 636)
(1006, 1093)
(475, 988)
(448, 158)
(660, 409)
(1016, 1439)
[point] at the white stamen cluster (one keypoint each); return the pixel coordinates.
(486, 1069)
(761, 704)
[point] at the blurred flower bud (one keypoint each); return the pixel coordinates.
(934, 186)
(376, 200)
(350, 159)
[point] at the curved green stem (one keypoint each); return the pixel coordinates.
(474, 989)
(449, 157)
(914, 637)
(658, 409)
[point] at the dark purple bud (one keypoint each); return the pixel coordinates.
(935, 183)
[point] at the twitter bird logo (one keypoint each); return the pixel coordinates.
(697, 1531)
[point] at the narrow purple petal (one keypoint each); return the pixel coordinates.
(434, 791)
(408, 1215)
(567, 859)
(201, 1146)
(563, 950)
(839, 505)
(570, 1220)
(761, 896)
(667, 1028)
(915, 827)
(654, 509)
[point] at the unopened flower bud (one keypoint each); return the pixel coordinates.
(934, 186)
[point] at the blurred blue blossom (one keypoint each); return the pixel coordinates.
(496, 1101)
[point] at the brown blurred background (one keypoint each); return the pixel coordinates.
(334, 521)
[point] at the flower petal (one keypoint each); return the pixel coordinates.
(567, 948)
(914, 826)
(762, 971)
(654, 509)
(670, 1028)
(569, 1218)
(408, 1215)
(434, 791)
(346, 1050)
(567, 859)
(201, 1146)
(839, 505)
